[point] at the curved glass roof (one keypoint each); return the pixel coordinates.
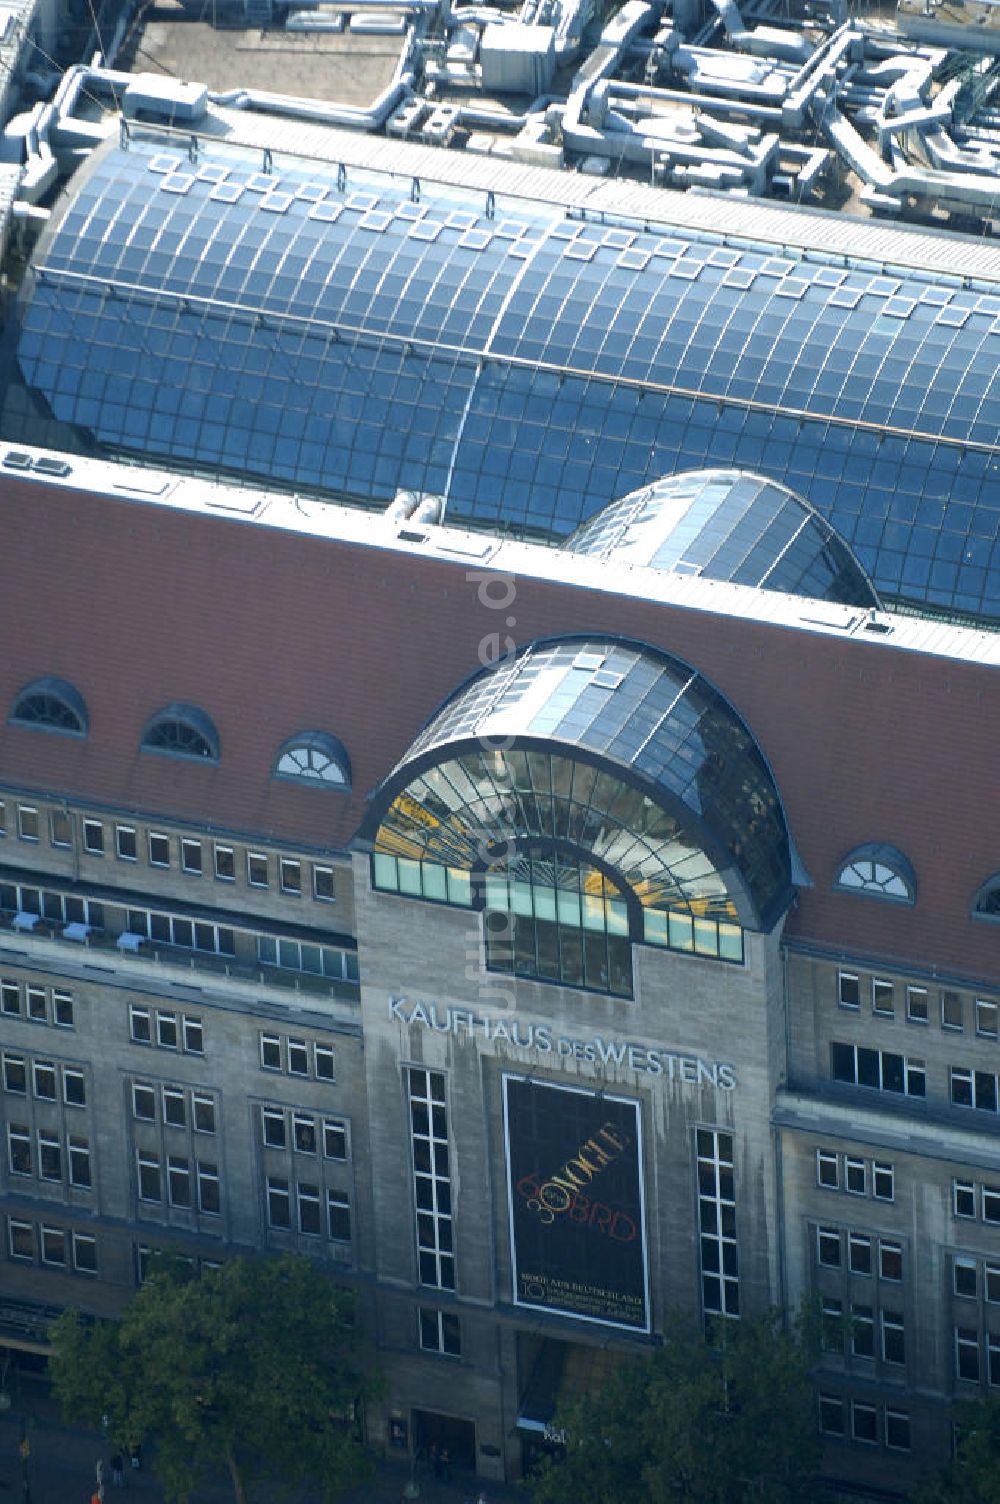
(728, 525)
(610, 749)
(331, 333)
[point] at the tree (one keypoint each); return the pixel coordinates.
(974, 1474)
(695, 1424)
(252, 1366)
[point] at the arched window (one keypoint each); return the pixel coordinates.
(986, 904)
(182, 731)
(880, 872)
(53, 705)
(314, 757)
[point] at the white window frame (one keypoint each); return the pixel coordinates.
(90, 846)
(124, 831)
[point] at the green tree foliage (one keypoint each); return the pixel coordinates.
(695, 1424)
(974, 1474)
(251, 1367)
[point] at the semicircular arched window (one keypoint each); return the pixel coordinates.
(314, 757)
(51, 705)
(879, 871)
(182, 731)
(986, 904)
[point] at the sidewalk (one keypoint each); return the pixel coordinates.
(61, 1470)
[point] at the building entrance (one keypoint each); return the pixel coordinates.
(445, 1436)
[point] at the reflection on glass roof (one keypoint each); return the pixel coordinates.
(618, 751)
(728, 525)
(334, 334)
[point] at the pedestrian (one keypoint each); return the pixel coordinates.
(135, 1456)
(118, 1471)
(99, 1470)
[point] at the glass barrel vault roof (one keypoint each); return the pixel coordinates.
(617, 750)
(333, 333)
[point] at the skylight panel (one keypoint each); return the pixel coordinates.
(475, 240)
(634, 261)
(618, 240)
(669, 249)
(988, 305)
(791, 287)
(262, 182)
(425, 229)
(740, 276)
(723, 256)
(900, 308)
(582, 250)
(565, 230)
(954, 318)
(410, 212)
(844, 297)
(687, 268)
(377, 220)
(775, 266)
(165, 162)
(276, 203)
(361, 202)
(212, 172)
(327, 212)
(936, 297)
(829, 276)
(883, 287)
(177, 182)
(510, 229)
(227, 193)
(460, 221)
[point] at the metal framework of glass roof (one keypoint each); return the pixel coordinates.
(346, 333)
(614, 751)
(728, 525)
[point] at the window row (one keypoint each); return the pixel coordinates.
(57, 1247)
(284, 1128)
(146, 1256)
(969, 1088)
(974, 1199)
(862, 1331)
(865, 1254)
(181, 730)
(183, 1184)
(886, 997)
(316, 960)
(49, 1155)
(871, 1424)
(881, 1069)
(308, 1203)
(974, 1278)
(166, 1029)
(48, 1080)
(977, 1356)
(297, 1057)
(38, 1004)
(857, 1176)
(176, 1105)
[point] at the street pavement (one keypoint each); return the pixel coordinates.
(61, 1469)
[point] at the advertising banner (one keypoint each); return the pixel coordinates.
(575, 1201)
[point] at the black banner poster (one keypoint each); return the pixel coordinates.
(575, 1200)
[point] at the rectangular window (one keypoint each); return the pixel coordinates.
(166, 1030)
(191, 857)
(159, 849)
(49, 1155)
(18, 1149)
(290, 873)
(893, 1337)
(140, 1025)
(323, 1060)
(270, 1052)
(298, 1057)
(883, 997)
(992, 1359)
(3, 819)
(991, 1203)
(179, 1181)
(225, 864)
(309, 1216)
(339, 1213)
(21, 1239)
(883, 1181)
(323, 887)
(828, 1246)
(60, 828)
(881, 1069)
(991, 1281)
(84, 1253)
(890, 1260)
(720, 1290)
(849, 994)
(431, 1177)
(864, 1422)
(256, 869)
(334, 1138)
(859, 1253)
(209, 1198)
(832, 1325)
(897, 1430)
(149, 1176)
(827, 1169)
(174, 1107)
(862, 1332)
(15, 1074)
(273, 1127)
(74, 1087)
(855, 1176)
(44, 1080)
(27, 822)
(831, 1415)
(952, 1012)
(967, 1354)
(916, 1005)
(79, 1163)
(38, 1009)
(53, 1246)
(303, 1133)
(125, 843)
(194, 1036)
(278, 1202)
(966, 1277)
(62, 1009)
(986, 1019)
(203, 1113)
(10, 999)
(93, 837)
(440, 1333)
